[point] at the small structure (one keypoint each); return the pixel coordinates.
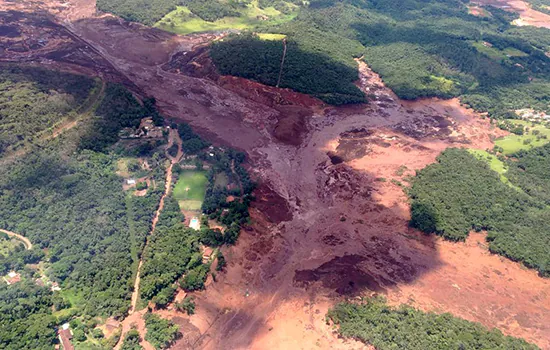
(195, 223)
(65, 336)
(131, 182)
(55, 287)
(147, 129)
(39, 282)
(206, 254)
(532, 115)
(12, 278)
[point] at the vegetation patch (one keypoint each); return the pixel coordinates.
(271, 36)
(495, 164)
(461, 193)
(309, 72)
(161, 333)
(203, 16)
(525, 136)
(384, 327)
(9, 245)
(190, 189)
(33, 101)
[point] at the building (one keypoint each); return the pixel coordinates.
(12, 278)
(131, 182)
(65, 336)
(55, 287)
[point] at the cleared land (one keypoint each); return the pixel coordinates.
(515, 143)
(190, 189)
(183, 21)
(495, 164)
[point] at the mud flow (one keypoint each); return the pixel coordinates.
(330, 220)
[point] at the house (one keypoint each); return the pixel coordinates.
(55, 287)
(12, 278)
(65, 336)
(195, 223)
(131, 182)
(206, 254)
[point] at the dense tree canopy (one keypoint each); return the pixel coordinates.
(26, 321)
(161, 333)
(460, 193)
(33, 100)
(389, 328)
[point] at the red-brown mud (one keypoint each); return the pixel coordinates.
(331, 218)
(528, 16)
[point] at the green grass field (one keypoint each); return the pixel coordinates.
(190, 189)
(497, 54)
(183, 21)
(271, 36)
(495, 164)
(514, 143)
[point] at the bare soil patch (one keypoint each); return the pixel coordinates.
(528, 16)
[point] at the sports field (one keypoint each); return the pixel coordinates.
(190, 189)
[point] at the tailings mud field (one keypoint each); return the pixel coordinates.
(330, 219)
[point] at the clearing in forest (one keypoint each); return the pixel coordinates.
(534, 135)
(183, 21)
(495, 164)
(190, 189)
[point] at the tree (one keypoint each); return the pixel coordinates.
(187, 305)
(161, 333)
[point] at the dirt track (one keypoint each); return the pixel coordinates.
(25, 240)
(329, 223)
(136, 318)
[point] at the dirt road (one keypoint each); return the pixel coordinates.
(25, 240)
(133, 317)
(330, 220)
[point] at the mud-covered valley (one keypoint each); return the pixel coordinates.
(330, 220)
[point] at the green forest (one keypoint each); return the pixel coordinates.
(388, 328)
(33, 100)
(149, 13)
(460, 193)
(304, 71)
(420, 49)
(64, 194)
(26, 320)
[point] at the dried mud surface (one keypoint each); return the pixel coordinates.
(528, 16)
(330, 220)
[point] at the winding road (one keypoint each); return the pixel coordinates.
(23, 239)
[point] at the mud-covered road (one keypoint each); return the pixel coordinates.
(330, 219)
